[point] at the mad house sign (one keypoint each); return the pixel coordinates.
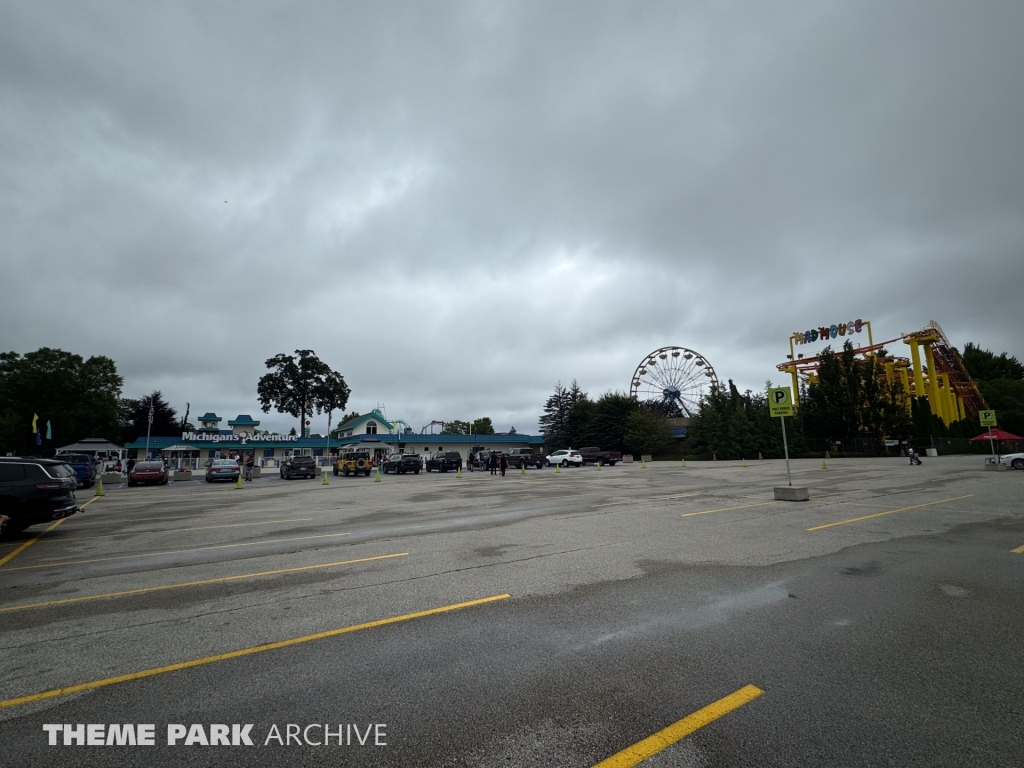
(826, 332)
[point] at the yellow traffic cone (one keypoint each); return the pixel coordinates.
(684, 462)
(599, 466)
(558, 468)
(377, 478)
(643, 464)
(744, 461)
(458, 471)
(99, 487)
(823, 464)
(522, 470)
(239, 483)
(325, 476)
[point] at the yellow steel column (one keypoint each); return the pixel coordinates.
(889, 373)
(960, 407)
(905, 381)
(933, 382)
(942, 382)
(792, 372)
(915, 356)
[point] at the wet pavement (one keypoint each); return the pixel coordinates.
(879, 621)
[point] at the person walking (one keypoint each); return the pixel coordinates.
(492, 463)
(469, 462)
(503, 464)
(249, 461)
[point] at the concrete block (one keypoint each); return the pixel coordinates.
(112, 478)
(991, 467)
(789, 493)
(182, 475)
(645, 457)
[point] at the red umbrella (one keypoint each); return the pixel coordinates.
(997, 434)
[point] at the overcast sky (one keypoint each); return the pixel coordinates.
(456, 205)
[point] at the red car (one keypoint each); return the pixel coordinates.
(148, 472)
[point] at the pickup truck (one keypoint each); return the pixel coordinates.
(82, 464)
(524, 457)
(592, 454)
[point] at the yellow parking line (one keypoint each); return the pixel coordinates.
(729, 509)
(193, 528)
(174, 552)
(1019, 550)
(666, 737)
(203, 582)
(242, 652)
(890, 512)
(641, 501)
(19, 550)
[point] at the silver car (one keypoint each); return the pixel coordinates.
(223, 469)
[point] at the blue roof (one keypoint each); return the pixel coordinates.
(158, 443)
(243, 419)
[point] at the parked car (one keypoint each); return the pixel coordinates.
(442, 461)
(400, 463)
(146, 472)
(524, 457)
(565, 458)
(354, 462)
(222, 469)
(82, 464)
(1015, 460)
(592, 454)
(34, 491)
(298, 466)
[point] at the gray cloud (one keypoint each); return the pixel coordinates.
(457, 205)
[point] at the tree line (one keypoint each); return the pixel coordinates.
(613, 422)
(82, 398)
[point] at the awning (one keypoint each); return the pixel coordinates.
(90, 444)
(996, 434)
(179, 448)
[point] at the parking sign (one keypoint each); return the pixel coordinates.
(988, 418)
(780, 401)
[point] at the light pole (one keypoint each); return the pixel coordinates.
(149, 427)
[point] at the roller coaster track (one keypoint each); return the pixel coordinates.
(948, 362)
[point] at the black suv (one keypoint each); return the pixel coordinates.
(521, 458)
(34, 491)
(298, 466)
(400, 463)
(442, 461)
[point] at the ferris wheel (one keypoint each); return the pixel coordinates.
(676, 376)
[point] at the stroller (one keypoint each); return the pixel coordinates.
(914, 458)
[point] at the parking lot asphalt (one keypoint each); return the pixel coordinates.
(541, 619)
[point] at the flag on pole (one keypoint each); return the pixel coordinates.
(49, 433)
(150, 411)
(39, 438)
(35, 418)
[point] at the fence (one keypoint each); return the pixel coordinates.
(945, 446)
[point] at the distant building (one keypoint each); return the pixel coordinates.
(371, 431)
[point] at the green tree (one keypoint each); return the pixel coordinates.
(608, 421)
(983, 365)
(301, 385)
(80, 398)
(165, 422)
(455, 428)
(647, 432)
(553, 422)
(483, 426)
